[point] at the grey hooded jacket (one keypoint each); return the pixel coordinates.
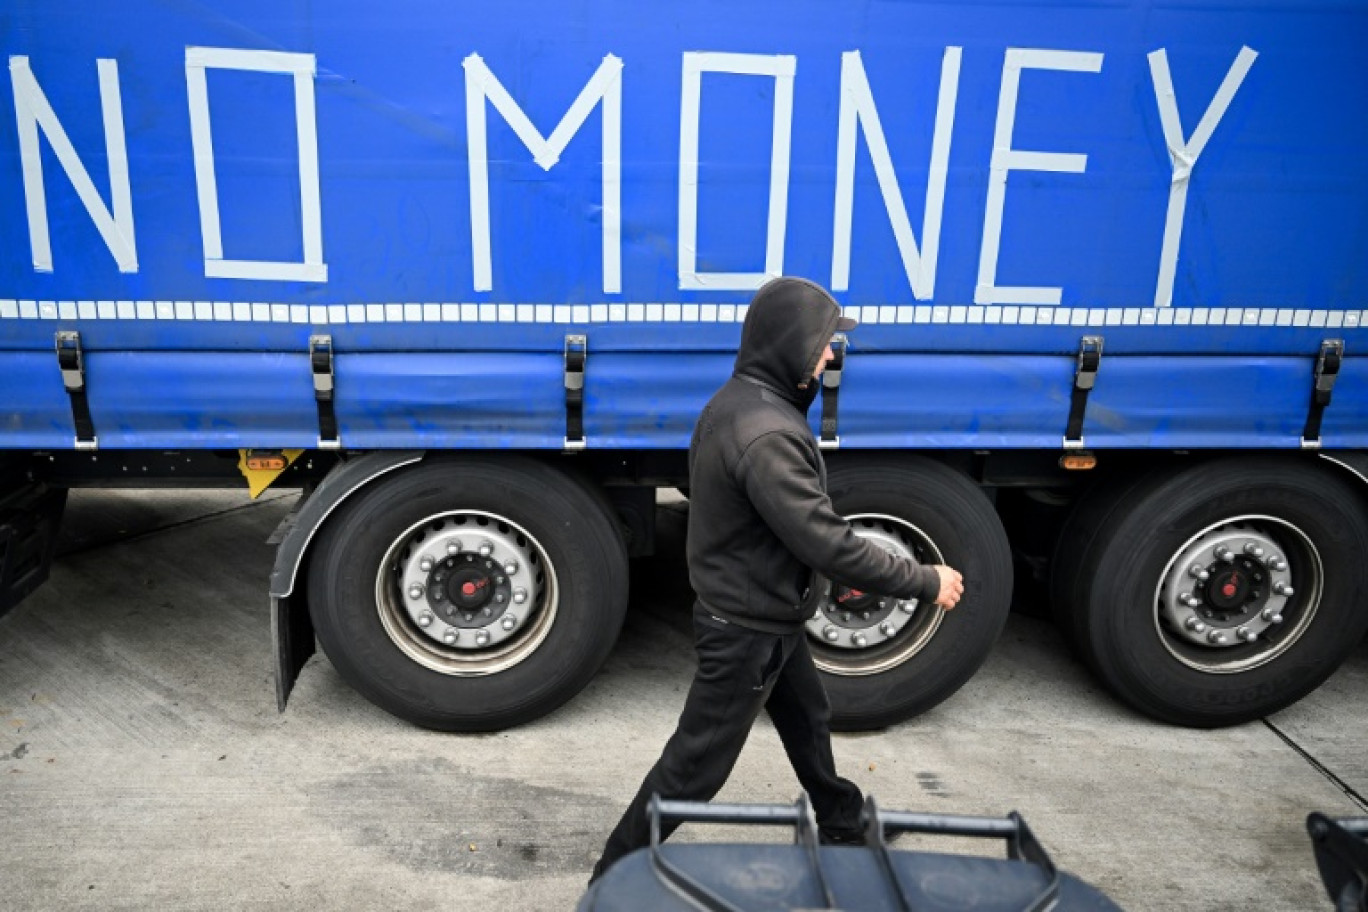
(762, 531)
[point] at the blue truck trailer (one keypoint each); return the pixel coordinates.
(466, 273)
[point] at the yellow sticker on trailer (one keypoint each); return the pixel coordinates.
(261, 467)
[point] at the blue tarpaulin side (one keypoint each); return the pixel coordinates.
(504, 401)
(396, 179)
(34, 409)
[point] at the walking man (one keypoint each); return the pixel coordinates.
(762, 537)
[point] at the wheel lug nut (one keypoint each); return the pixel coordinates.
(1199, 572)
(482, 638)
(831, 633)
(519, 596)
(1253, 550)
(1224, 554)
(1276, 562)
(1268, 614)
(908, 607)
(1195, 625)
(1282, 588)
(864, 615)
(511, 567)
(425, 564)
(450, 637)
(1216, 637)
(486, 549)
(887, 629)
(416, 591)
(859, 640)
(453, 547)
(509, 622)
(499, 597)
(1187, 598)
(424, 620)
(1245, 634)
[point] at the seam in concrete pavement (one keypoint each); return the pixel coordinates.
(92, 546)
(1319, 767)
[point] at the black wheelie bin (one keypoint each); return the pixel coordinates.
(806, 875)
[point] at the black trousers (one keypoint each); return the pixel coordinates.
(741, 671)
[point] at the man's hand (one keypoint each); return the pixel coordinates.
(951, 587)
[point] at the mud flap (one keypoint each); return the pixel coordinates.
(292, 637)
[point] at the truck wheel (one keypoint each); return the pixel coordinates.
(1224, 592)
(885, 660)
(470, 595)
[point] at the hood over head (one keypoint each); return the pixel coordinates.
(789, 324)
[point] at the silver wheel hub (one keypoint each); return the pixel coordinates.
(851, 619)
(859, 633)
(468, 588)
(466, 593)
(1238, 594)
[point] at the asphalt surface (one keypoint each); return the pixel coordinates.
(143, 763)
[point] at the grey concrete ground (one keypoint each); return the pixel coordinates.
(143, 764)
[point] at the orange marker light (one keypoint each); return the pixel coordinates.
(1080, 461)
(274, 462)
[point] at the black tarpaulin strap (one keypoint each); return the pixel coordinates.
(576, 354)
(321, 363)
(1085, 377)
(1327, 370)
(831, 391)
(72, 365)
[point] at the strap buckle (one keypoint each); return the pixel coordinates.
(70, 361)
(1089, 360)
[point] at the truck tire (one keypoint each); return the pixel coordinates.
(1092, 512)
(883, 661)
(470, 595)
(1222, 592)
